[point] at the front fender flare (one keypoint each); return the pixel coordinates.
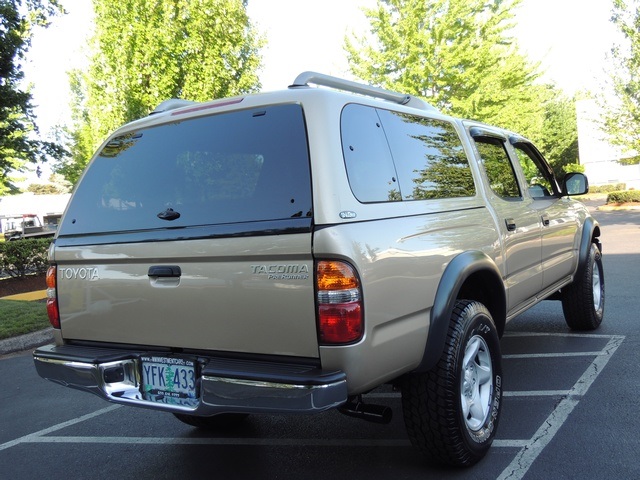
(590, 234)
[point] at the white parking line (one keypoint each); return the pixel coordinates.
(247, 442)
(509, 443)
(551, 355)
(537, 393)
(557, 334)
(55, 428)
(251, 442)
(529, 452)
(530, 449)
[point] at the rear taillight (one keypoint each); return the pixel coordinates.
(340, 312)
(52, 297)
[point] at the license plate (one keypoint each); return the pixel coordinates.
(170, 380)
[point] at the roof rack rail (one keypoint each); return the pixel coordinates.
(320, 79)
(172, 104)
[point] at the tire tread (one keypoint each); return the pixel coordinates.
(577, 298)
(428, 403)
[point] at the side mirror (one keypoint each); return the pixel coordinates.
(575, 184)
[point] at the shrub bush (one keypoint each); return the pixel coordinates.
(624, 197)
(613, 187)
(21, 257)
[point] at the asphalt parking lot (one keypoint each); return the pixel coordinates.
(549, 375)
(570, 411)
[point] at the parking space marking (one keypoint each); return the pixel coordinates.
(536, 393)
(60, 426)
(551, 355)
(556, 334)
(247, 442)
(532, 449)
(250, 442)
(529, 449)
(509, 443)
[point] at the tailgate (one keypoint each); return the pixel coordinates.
(194, 233)
(253, 294)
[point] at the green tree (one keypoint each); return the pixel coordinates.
(573, 167)
(559, 141)
(458, 54)
(146, 51)
(622, 117)
(57, 185)
(19, 144)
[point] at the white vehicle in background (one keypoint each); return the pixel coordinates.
(27, 226)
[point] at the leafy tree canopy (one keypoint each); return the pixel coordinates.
(622, 117)
(19, 144)
(460, 56)
(146, 51)
(57, 185)
(559, 141)
(455, 53)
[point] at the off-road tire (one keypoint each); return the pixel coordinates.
(222, 421)
(583, 300)
(437, 423)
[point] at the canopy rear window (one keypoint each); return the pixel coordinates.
(243, 166)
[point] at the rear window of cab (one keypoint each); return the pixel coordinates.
(241, 166)
(392, 156)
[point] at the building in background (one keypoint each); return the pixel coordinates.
(599, 158)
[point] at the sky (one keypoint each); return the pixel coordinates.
(570, 39)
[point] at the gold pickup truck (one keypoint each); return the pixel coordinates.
(287, 252)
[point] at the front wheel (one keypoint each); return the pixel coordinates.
(451, 412)
(583, 300)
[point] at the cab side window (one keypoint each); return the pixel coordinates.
(540, 182)
(502, 178)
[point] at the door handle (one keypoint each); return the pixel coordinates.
(164, 271)
(511, 224)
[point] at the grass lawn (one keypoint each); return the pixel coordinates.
(17, 317)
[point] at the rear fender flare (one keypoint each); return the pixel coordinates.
(452, 282)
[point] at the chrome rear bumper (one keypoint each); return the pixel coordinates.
(225, 385)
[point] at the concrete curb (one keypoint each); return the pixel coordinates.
(28, 297)
(26, 342)
(608, 208)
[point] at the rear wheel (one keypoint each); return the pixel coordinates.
(222, 421)
(452, 412)
(583, 300)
